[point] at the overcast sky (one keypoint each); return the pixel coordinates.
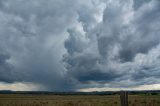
(79, 45)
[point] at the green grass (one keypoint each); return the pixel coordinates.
(76, 100)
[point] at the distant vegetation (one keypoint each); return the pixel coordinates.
(150, 92)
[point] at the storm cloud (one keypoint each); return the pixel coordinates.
(69, 45)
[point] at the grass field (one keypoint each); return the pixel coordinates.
(76, 100)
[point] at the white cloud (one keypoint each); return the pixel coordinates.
(136, 88)
(20, 86)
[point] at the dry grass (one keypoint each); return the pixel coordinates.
(144, 100)
(55, 100)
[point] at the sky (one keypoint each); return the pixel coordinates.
(79, 45)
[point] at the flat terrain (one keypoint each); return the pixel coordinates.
(75, 100)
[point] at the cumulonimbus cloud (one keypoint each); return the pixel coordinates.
(68, 45)
(123, 48)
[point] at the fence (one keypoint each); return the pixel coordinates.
(124, 98)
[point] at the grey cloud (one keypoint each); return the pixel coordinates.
(128, 28)
(6, 69)
(76, 41)
(32, 35)
(139, 3)
(65, 45)
(130, 35)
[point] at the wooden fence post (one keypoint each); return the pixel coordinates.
(124, 98)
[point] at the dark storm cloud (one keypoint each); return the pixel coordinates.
(117, 46)
(145, 35)
(32, 34)
(139, 3)
(6, 69)
(86, 69)
(68, 45)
